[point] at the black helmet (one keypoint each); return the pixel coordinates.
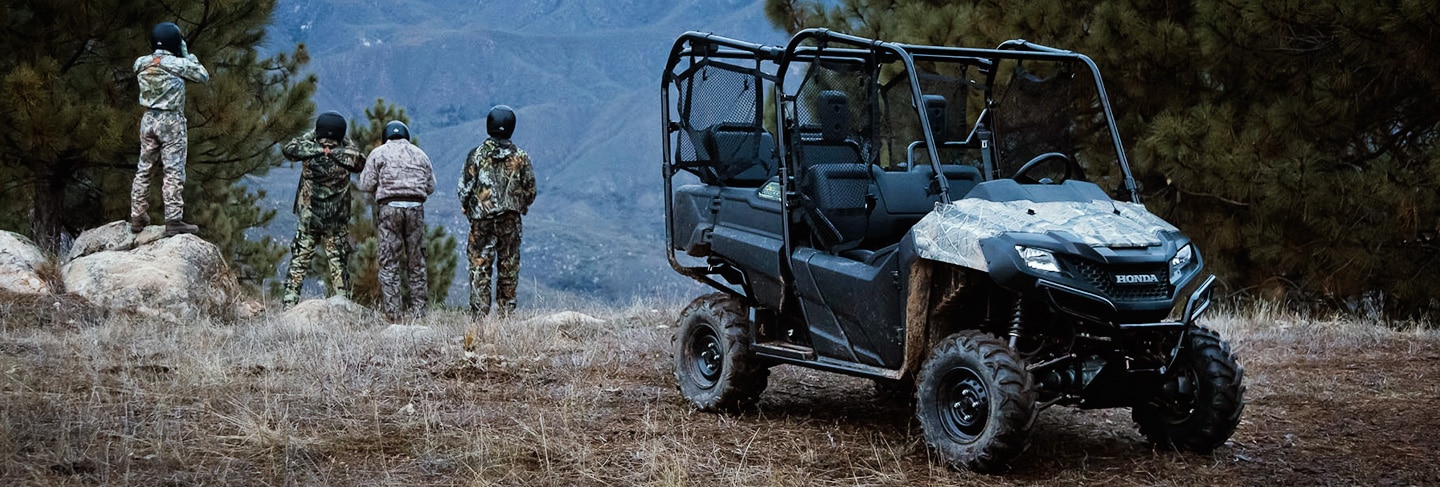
(501, 122)
(330, 125)
(166, 35)
(397, 130)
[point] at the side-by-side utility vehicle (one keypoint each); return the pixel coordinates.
(957, 222)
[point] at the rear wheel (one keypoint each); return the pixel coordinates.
(975, 402)
(1199, 404)
(714, 366)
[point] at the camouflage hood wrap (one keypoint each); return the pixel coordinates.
(952, 233)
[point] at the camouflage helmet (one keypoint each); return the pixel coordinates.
(330, 125)
(397, 130)
(166, 35)
(501, 122)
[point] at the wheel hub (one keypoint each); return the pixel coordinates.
(965, 405)
(709, 358)
(1177, 397)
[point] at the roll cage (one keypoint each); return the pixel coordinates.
(770, 78)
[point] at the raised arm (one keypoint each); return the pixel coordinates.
(187, 66)
(351, 158)
(302, 148)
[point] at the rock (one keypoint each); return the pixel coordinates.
(177, 279)
(319, 314)
(248, 309)
(565, 318)
(113, 236)
(21, 262)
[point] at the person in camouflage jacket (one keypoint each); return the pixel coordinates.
(163, 138)
(497, 186)
(322, 203)
(400, 175)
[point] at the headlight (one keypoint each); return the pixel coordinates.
(1179, 262)
(1038, 259)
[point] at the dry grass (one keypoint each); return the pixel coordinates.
(115, 400)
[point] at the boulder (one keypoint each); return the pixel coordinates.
(113, 236)
(313, 315)
(177, 279)
(21, 263)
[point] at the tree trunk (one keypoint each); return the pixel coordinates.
(49, 199)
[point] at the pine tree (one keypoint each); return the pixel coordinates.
(440, 257)
(1295, 141)
(71, 142)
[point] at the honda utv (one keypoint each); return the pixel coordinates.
(957, 222)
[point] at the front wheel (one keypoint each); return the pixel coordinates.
(1198, 406)
(714, 366)
(975, 402)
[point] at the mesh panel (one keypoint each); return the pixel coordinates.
(715, 95)
(1034, 116)
(853, 80)
(712, 96)
(902, 124)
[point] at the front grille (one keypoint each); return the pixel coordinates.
(1104, 279)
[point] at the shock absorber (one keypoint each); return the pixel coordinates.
(1017, 320)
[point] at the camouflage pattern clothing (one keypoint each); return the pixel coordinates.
(402, 238)
(337, 256)
(323, 199)
(163, 137)
(162, 78)
(494, 240)
(497, 178)
(400, 175)
(322, 203)
(497, 186)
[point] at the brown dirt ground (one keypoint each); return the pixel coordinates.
(597, 406)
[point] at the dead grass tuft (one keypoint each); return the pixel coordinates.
(46, 310)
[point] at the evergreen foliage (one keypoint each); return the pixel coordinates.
(1295, 141)
(68, 105)
(440, 257)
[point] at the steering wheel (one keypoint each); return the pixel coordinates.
(1072, 168)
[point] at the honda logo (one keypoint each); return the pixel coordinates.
(1137, 279)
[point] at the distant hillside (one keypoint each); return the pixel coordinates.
(584, 79)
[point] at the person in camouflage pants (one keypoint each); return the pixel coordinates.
(322, 203)
(163, 138)
(400, 175)
(497, 186)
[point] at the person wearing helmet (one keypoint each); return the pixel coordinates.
(400, 175)
(163, 139)
(497, 186)
(322, 203)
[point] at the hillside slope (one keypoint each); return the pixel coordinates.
(584, 79)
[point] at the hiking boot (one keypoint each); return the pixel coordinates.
(138, 223)
(176, 228)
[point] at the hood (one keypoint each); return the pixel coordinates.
(952, 233)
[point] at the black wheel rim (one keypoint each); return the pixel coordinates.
(707, 358)
(964, 404)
